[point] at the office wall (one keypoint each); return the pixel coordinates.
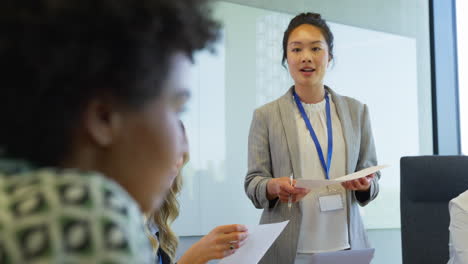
(401, 17)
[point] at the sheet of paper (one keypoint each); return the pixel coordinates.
(261, 237)
(314, 184)
(358, 256)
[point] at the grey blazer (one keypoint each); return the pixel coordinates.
(273, 152)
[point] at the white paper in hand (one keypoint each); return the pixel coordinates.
(260, 239)
(313, 184)
(360, 174)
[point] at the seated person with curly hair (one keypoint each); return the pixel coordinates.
(90, 95)
(220, 242)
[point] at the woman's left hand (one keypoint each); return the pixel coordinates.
(361, 184)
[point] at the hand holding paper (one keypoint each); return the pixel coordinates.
(260, 239)
(361, 184)
(282, 189)
(314, 184)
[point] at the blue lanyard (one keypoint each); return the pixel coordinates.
(326, 166)
(160, 259)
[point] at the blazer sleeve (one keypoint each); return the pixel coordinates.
(367, 158)
(259, 162)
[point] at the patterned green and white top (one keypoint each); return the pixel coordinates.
(65, 216)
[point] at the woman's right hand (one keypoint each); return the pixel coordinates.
(281, 188)
(221, 242)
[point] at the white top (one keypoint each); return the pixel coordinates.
(458, 244)
(321, 231)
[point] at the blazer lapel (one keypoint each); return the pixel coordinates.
(342, 110)
(287, 110)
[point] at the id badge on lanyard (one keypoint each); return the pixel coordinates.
(332, 199)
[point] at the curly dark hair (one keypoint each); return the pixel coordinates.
(56, 55)
(313, 19)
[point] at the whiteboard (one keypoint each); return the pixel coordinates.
(376, 68)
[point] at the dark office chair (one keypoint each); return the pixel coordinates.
(428, 183)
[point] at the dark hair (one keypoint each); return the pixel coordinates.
(313, 19)
(55, 56)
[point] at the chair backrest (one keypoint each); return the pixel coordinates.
(428, 183)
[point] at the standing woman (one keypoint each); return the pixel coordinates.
(311, 132)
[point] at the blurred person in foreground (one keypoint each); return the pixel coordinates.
(90, 96)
